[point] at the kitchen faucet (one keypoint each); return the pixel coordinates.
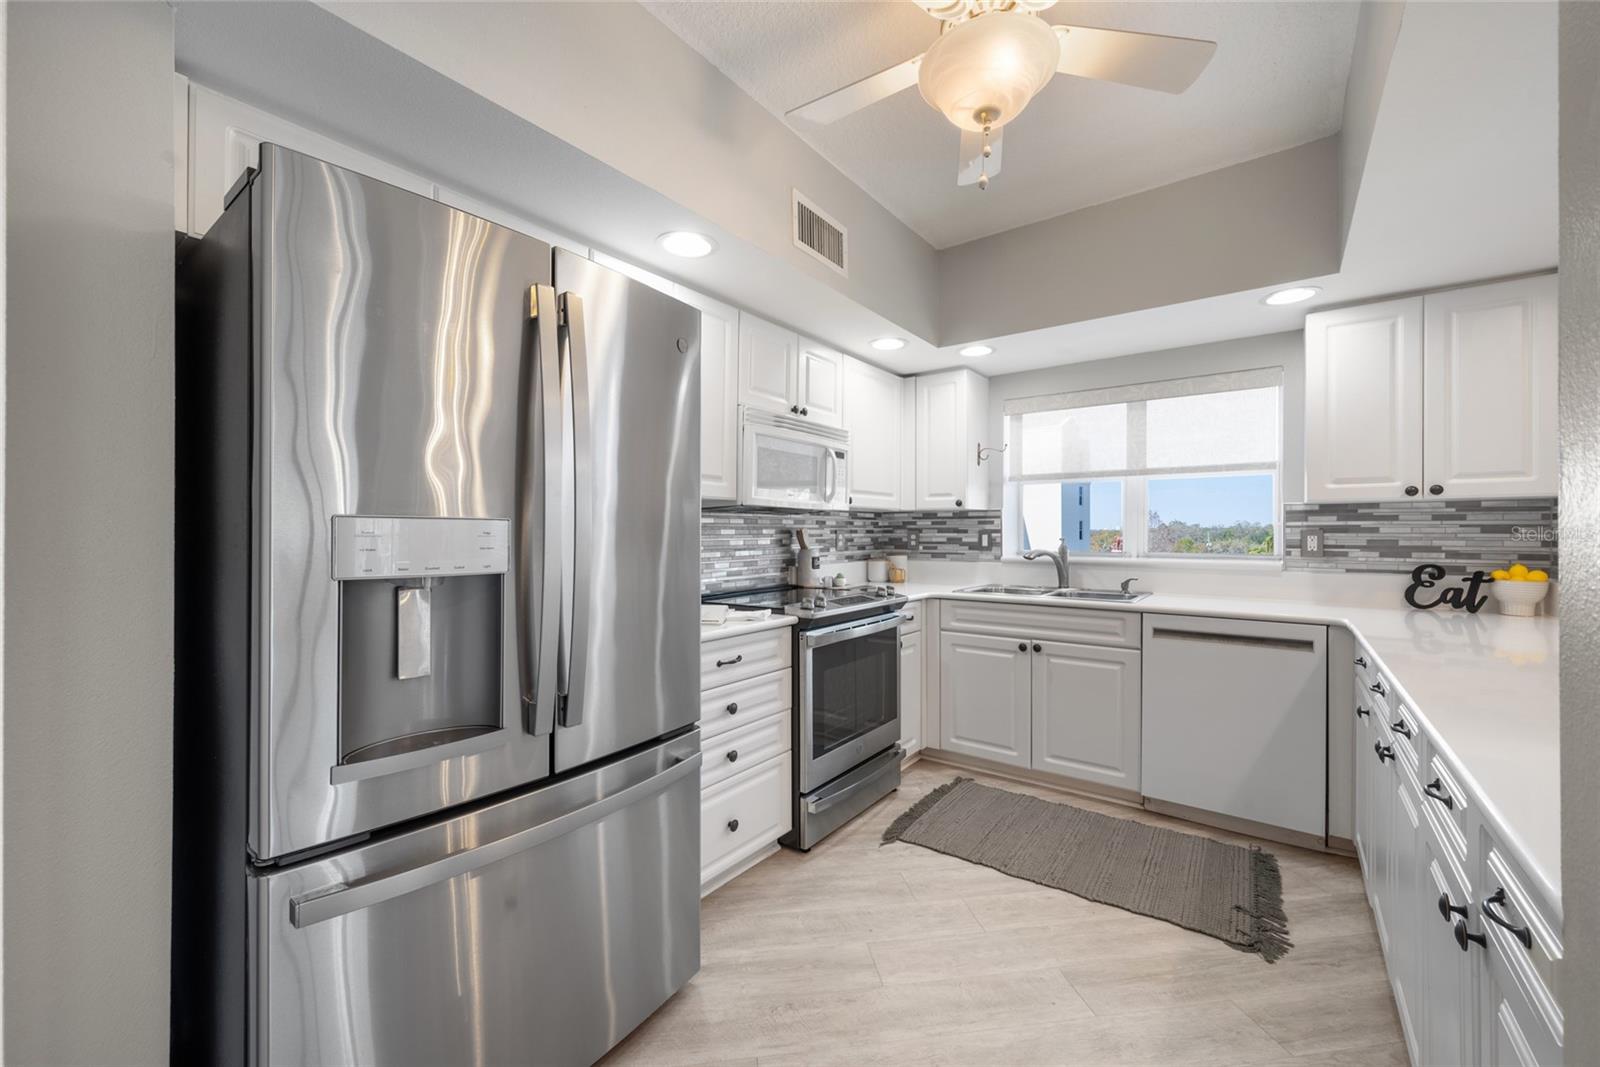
(1060, 557)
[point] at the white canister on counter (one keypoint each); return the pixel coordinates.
(899, 565)
(877, 570)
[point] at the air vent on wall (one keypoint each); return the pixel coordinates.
(819, 235)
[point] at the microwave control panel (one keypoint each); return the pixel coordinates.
(378, 546)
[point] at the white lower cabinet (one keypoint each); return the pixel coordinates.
(1086, 713)
(1472, 950)
(743, 816)
(986, 697)
(911, 666)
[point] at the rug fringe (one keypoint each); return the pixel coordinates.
(1270, 923)
(916, 811)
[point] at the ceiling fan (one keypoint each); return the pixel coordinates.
(993, 56)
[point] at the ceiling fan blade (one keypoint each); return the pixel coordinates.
(971, 163)
(852, 98)
(1147, 60)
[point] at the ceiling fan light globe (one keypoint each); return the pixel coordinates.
(984, 71)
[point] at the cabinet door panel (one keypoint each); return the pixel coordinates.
(767, 365)
(872, 403)
(821, 384)
(1444, 971)
(1086, 713)
(1364, 402)
(719, 403)
(986, 698)
(941, 478)
(1489, 377)
(911, 666)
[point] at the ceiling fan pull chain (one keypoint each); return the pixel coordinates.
(988, 150)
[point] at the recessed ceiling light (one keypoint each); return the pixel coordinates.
(687, 243)
(977, 350)
(1291, 296)
(889, 344)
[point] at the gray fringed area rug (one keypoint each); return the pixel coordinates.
(1228, 892)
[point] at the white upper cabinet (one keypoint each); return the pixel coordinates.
(952, 408)
(1489, 372)
(768, 365)
(872, 413)
(821, 383)
(1449, 395)
(225, 138)
(1364, 402)
(719, 398)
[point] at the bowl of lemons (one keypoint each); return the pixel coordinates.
(1517, 590)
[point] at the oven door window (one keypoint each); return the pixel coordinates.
(856, 689)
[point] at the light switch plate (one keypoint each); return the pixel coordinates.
(1311, 542)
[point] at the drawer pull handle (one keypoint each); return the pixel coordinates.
(1490, 904)
(1361, 661)
(1384, 751)
(1435, 789)
(733, 707)
(733, 755)
(733, 826)
(1377, 687)
(1401, 728)
(1362, 712)
(730, 662)
(1464, 938)
(1448, 909)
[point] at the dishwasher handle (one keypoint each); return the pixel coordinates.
(1287, 644)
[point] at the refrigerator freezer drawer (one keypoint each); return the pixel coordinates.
(542, 928)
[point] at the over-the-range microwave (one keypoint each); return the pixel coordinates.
(790, 462)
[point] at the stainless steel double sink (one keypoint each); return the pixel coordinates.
(1103, 595)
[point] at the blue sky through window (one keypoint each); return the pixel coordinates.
(1217, 500)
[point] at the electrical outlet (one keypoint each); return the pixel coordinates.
(1311, 542)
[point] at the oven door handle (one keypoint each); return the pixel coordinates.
(849, 631)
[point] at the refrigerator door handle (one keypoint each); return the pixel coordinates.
(539, 498)
(578, 513)
(343, 899)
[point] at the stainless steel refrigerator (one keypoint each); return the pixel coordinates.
(436, 779)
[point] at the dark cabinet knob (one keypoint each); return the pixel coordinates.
(1491, 912)
(733, 708)
(1022, 646)
(805, 411)
(1435, 489)
(1384, 751)
(1038, 647)
(733, 826)
(958, 503)
(794, 409)
(733, 755)
(1361, 661)
(1362, 712)
(1464, 938)
(1447, 909)
(1435, 789)
(1401, 728)
(1377, 687)
(1411, 490)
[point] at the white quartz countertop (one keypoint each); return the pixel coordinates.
(1485, 685)
(738, 623)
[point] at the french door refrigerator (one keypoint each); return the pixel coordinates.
(436, 778)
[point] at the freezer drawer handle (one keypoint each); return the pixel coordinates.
(343, 899)
(1286, 643)
(1491, 912)
(1435, 789)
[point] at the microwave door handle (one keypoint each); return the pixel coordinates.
(833, 476)
(538, 538)
(578, 517)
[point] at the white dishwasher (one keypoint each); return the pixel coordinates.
(1236, 718)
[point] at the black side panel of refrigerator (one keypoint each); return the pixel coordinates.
(211, 695)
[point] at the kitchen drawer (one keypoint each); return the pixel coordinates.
(1449, 808)
(733, 659)
(730, 707)
(913, 614)
(1530, 950)
(737, 750)
(1083, 626)
(743, 815)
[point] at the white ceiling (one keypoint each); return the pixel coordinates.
(1277, 81)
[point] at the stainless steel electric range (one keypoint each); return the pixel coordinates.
(846, 747)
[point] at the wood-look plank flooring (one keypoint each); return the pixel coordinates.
(858, 953)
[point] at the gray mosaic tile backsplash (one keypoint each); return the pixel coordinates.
(1460, 535)
(751, 546)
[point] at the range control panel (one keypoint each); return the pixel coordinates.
(376, 546)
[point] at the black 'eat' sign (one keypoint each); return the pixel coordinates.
(1465, 596)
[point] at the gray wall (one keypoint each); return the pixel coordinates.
(1580, 524)
(1286, 350)
(88, 568)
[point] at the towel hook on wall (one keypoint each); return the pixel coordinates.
(982, 451)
